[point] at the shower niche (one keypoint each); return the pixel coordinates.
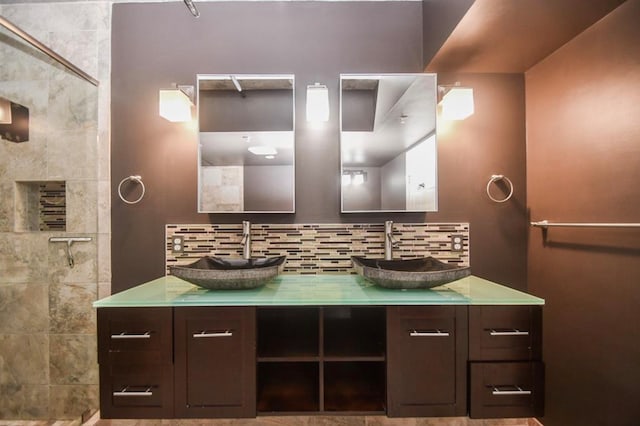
(41, 206)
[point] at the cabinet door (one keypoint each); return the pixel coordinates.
(215, 362)
(136, 364)
(426, 361)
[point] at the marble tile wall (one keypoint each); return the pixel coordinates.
(48, 366)
(318, 248)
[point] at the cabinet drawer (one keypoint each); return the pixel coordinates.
(135, 329)
(135, 356)
(137, 390)
(506, 389)
(506, 333)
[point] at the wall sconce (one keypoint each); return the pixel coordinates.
(5, 111)
(354, 177)
(317, 103)
(456, 102)
(175, 104)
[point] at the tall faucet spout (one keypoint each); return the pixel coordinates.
(246, 239)
(389, 242)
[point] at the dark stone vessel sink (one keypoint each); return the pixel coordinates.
(423, 272)
(217, 273)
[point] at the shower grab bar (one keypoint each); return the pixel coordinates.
(46, 50)
(69, 241)
(546, 224)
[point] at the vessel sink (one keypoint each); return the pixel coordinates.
(219, 273)
(423, 272)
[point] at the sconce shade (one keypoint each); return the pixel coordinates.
(5, 111)
(175, 105)
(457, 103)
(317, 103)
(354, 177)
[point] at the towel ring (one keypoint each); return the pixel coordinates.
(136, 179)
(495, 178)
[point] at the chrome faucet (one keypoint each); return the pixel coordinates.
(246, 239)
(389, 242)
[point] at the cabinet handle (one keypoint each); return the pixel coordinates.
(509, 332)
(126, 392)
(226, 333)
(125, 335)
(428, 333)
(517, 391)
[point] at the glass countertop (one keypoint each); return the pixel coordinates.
(317, 290)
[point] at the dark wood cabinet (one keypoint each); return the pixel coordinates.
(215, 364)
(505, 354)
(405, 361)
(426, 361)
(135, 356)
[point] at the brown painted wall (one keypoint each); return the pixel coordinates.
(156, 44)
(492, 141)
(583, 132)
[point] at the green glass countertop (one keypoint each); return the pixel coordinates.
(317, 290)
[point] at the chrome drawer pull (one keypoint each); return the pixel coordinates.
(226, 333)
(429, 333)
(125, 392)
(125, 335)
(517, 391)
(511, 332)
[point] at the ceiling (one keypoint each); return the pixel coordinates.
(510, 36)
(231, 148)
(404, 114)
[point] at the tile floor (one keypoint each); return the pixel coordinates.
(284, 421)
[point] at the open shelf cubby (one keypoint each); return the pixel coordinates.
(288, 387)
(321, 359)
(354, 332)
(354, 386)
(286, 333)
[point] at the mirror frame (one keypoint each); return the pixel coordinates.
(434, 133)
(210, 77)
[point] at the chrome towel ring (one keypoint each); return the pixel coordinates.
(496, 178)
(136, 179)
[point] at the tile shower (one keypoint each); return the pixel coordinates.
(54, 185)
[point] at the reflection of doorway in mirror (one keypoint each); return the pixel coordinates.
(420, 176)
(221, 188)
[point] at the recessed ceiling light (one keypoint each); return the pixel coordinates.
(262, 150)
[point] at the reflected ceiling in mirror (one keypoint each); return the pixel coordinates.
(246, 155)
(388, 145)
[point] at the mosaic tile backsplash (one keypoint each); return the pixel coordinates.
(318, 248)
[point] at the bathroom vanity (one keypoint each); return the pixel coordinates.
(325, 344)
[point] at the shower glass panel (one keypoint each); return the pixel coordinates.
(48, 187)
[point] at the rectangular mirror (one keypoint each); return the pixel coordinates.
(388, 148)
(246, 153)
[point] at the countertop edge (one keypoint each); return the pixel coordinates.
(169, 291)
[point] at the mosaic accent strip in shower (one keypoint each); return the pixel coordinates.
(317, 248)
(53, 207)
